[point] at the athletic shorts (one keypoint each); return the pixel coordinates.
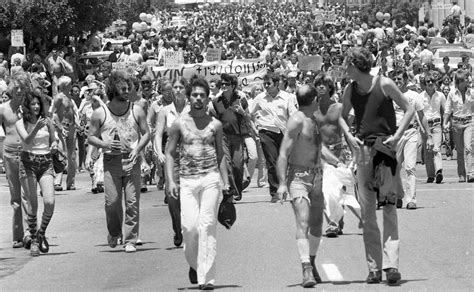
(306, 183)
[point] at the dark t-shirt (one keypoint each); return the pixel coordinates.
(232, 122)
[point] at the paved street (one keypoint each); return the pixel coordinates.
(259, 253)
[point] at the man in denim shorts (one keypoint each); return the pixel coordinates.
(300, 158)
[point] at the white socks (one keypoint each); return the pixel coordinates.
(303, 249)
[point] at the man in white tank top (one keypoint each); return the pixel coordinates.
(200, 174)
(120, 128)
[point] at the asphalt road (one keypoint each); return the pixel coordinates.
(258, 253)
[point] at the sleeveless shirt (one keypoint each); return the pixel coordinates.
(125, 125)
(374, 113)
(40, 144)
(198, 152)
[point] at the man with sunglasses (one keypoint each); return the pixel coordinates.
(408, 144)
(231, 108)
(434, 105)
(459, 112)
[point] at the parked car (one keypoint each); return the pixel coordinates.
(90, 62)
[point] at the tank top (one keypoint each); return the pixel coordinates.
(374, 113)
(40, 144)
(198, 152)
(126, 126)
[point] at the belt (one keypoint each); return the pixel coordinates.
(124, 155)
(30, 154)
(435, 120)
(316, 169)
(462, 119)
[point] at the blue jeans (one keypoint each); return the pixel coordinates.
(11, 161)
(120, 174)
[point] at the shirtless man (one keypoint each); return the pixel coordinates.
(328, 114)
(65, 112)
(16, 90)
(302, 146)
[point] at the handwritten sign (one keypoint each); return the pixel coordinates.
(337, 73)
(17, 38)
(213, 55)
(173, 59)
(308, 63)
(248, 71)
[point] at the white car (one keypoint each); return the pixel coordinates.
(454, 55)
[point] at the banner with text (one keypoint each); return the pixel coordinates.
(249, 72)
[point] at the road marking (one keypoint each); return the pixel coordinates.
(332, 273)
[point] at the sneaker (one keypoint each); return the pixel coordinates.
(34, 248)
(193, 278)
(308, 278)
(130, 248)
(439, 176)
(27, 241)
(275, 199)
(95, 190)
(393, 275)
(112, 240)
(17, 244)
(100, 188)
(470, 179)
(71, 187)
(58, 188)
(332, 231)
(411, 206)
(139, 242)
(462, 178)
(144, 189)
(42, 243)
(430, 180)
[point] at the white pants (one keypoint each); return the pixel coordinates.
(199, 197)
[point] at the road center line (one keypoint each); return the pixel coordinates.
(332, 273)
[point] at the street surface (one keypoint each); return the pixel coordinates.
(258, 253)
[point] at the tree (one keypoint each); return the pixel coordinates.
(92, 15)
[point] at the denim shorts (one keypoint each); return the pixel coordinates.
(306, 183)
(36, 165)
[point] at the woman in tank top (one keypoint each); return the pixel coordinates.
(36, 166)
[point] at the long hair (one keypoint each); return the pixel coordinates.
(27, 113)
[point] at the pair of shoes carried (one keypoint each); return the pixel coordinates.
(192, 274)
(27, 241)
(207, 286)
(246, 183)
(34, 248)
(430, 180)
(308, 277)
(113, 240)
(42, 242)
(17, 244)
(374, 277)
(129, 248)
(411, 206)
(178, 239)
(71, 187)
(439, 176)
(393, 275)
(58, 188)
(139, 242)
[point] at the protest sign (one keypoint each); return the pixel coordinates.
(248, 71)
(308, 63)
(17, 38)
(173, 59)
(129, 67)
(213, 55)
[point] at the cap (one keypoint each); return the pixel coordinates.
(93, 86)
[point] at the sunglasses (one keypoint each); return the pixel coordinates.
(225, 84)
(146, 82)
